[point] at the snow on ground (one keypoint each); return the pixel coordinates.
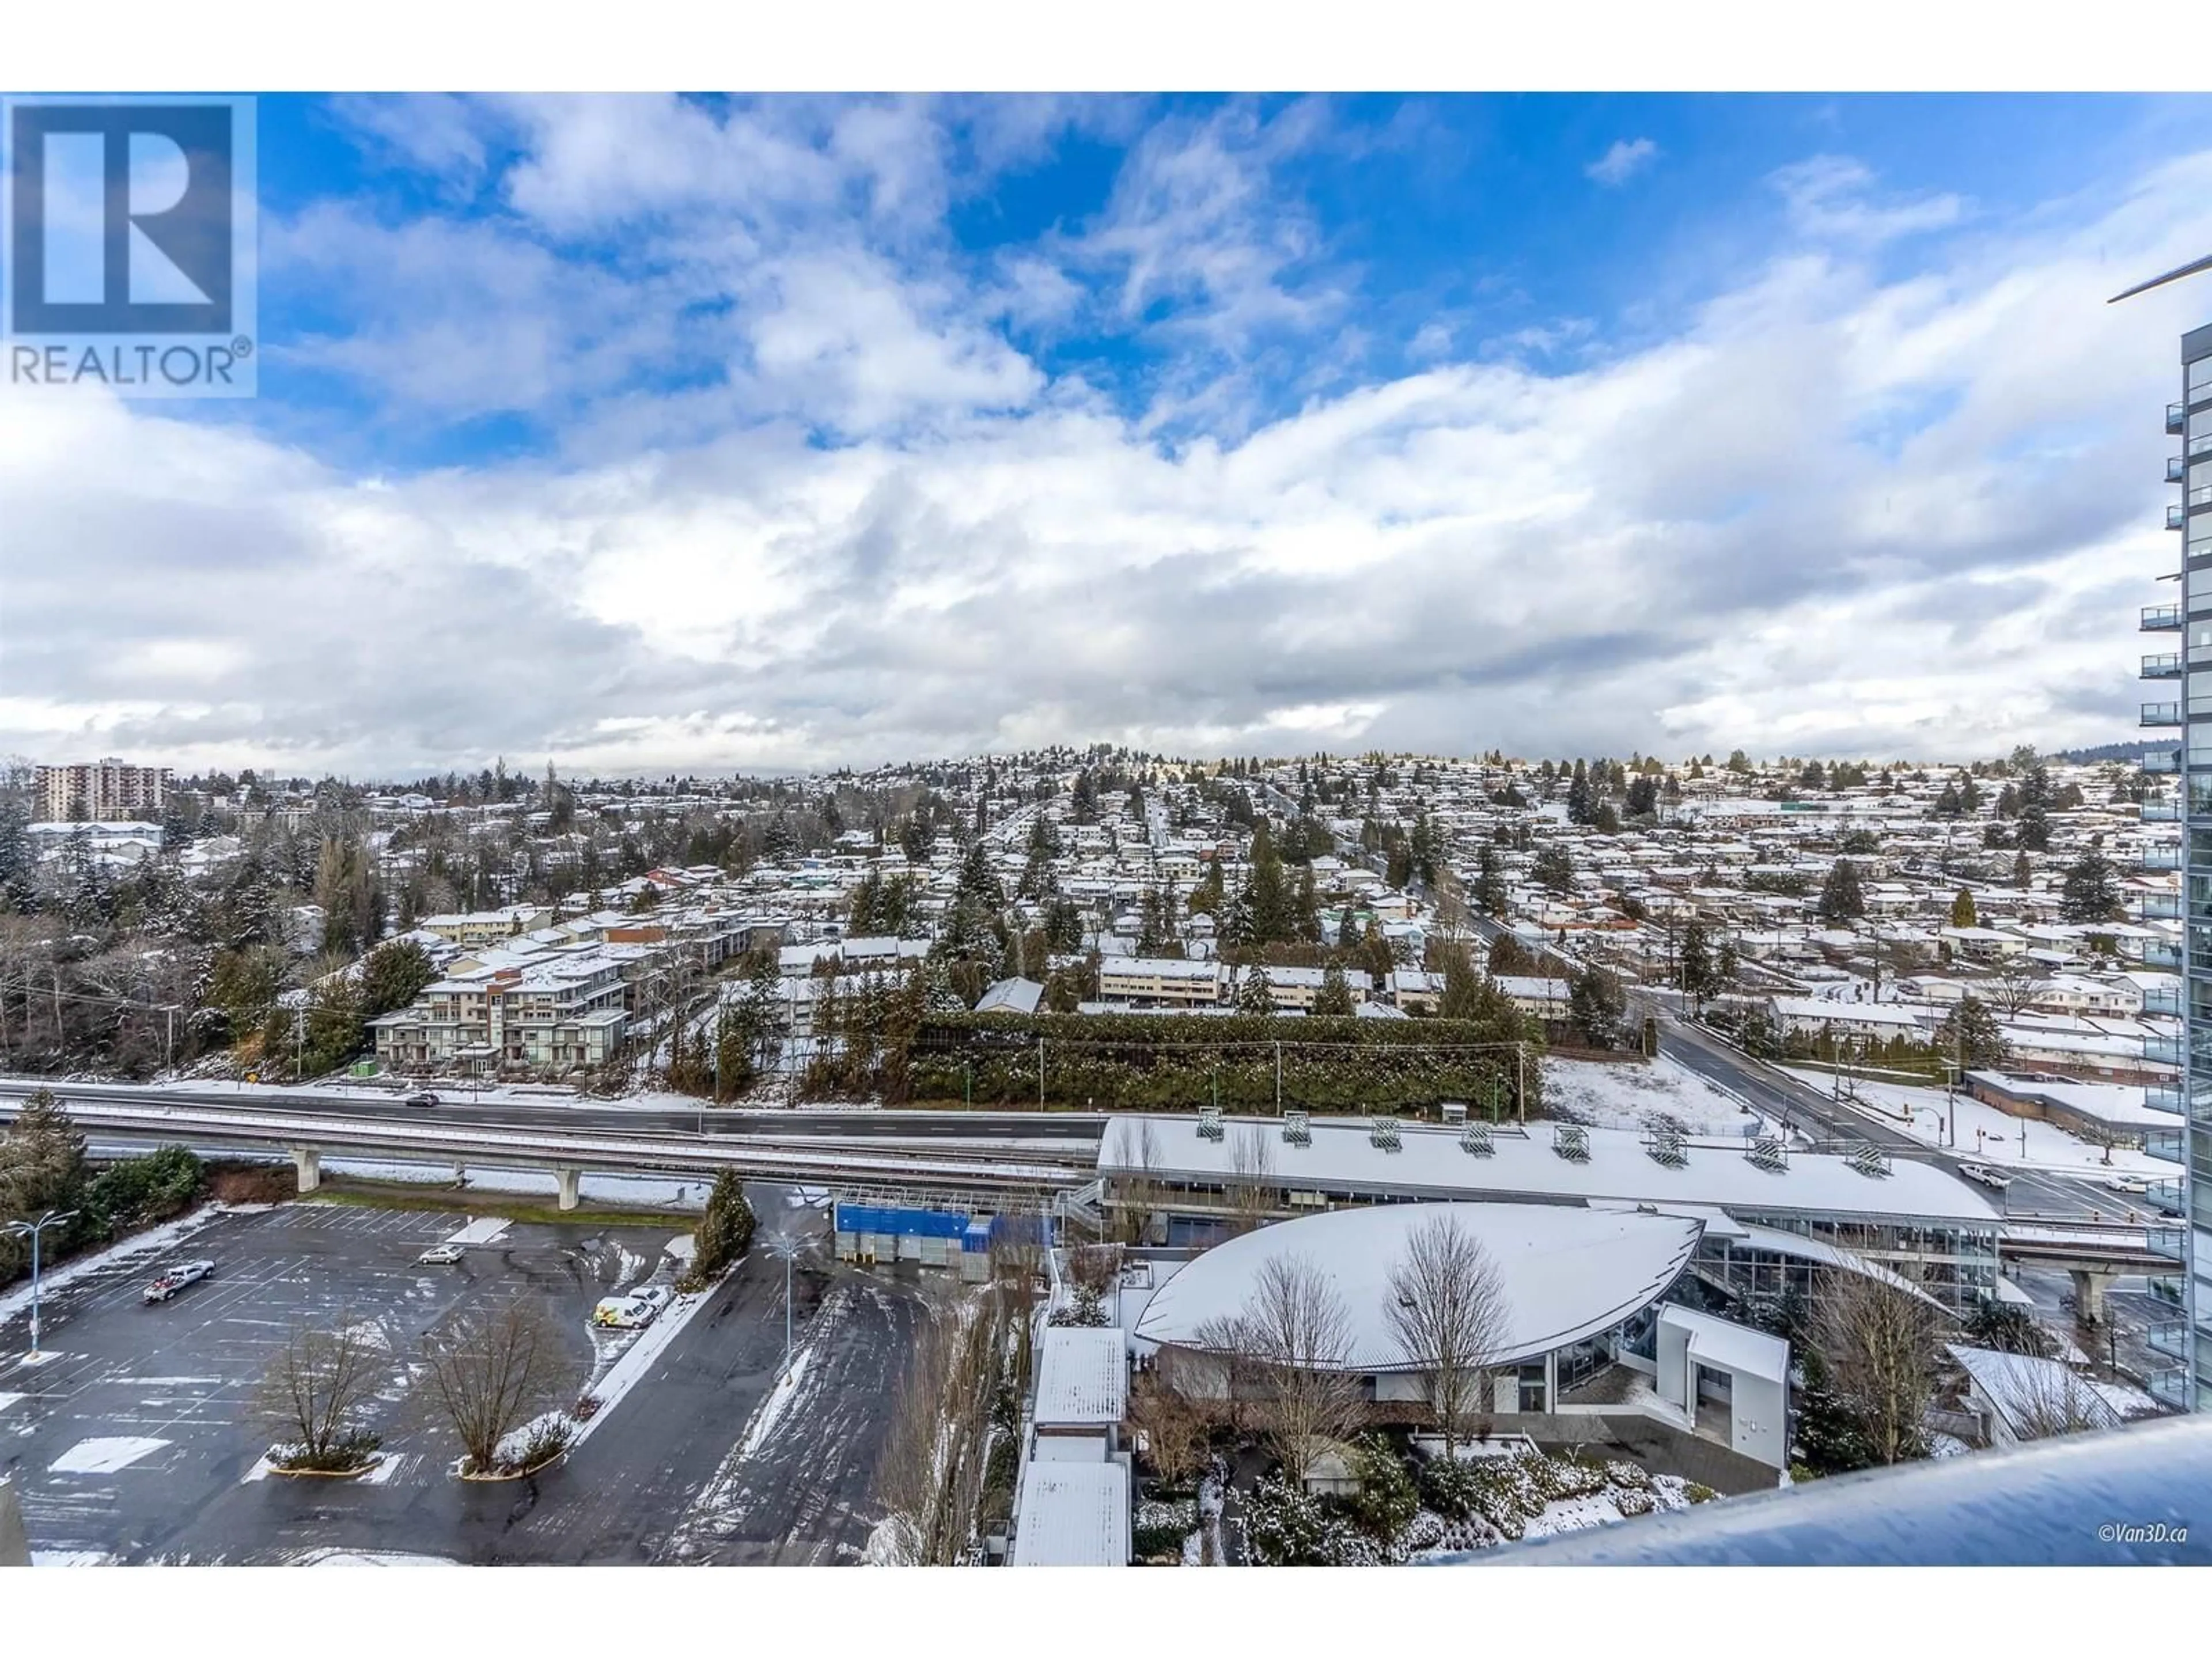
(639, 1191)
(367, 1558)
(770, 1411)
(480, 1229)
(71, 1558)
(1983, 1132)
(640, 1357)
(7, 1400)
(149, 1243)
(1563, 1514)
(105, 1454)
(1623, 1095)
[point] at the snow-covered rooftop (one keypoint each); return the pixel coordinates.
(1343, 1157)
(1083, 1378)
(1072, 1515)
(1566, 1273)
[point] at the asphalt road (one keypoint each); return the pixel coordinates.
(2038, 1193)
(135, 1442)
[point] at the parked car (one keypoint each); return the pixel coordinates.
(1986, 1175)
(2133, 1185)
(441, 1256)
(175, 1278)
(425, 1099)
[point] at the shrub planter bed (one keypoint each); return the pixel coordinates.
(496, 1476)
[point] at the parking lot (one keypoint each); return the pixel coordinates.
(135, 1441)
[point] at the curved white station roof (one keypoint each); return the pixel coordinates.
(1567, 1273)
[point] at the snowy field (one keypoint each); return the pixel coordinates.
(1626, 1096)
(1983, 1132)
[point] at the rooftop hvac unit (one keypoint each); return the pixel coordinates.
(1768, 1153)
(1454, 1111)
(1476, 1139)
(1571, 1142)
(1664, 1140)
(1384, 1132)
(1868, 1160)
(1297, 1129)
(1209, 1123)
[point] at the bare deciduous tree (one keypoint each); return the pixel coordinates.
(1449, 1313)
(315, 1389)
(1096, 1267)
(1173, 1423)
(1293, 1339)
(2046, 1399)
(490, 1372)
(930, 1474)
(1253, 1192)
(1140, 1191)
(1879, 1343)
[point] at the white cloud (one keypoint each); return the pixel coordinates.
(1623, 160)
(1692, 545)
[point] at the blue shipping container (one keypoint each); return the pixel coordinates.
(902, 1223)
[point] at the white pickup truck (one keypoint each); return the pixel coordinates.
(175, 1278)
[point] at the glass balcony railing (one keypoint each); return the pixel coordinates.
(2161, 762)
(2167, 1146)
(2159, 616)
(2160, 953)
(2162, 856)
(2169, 1337)
(2163, 1097)
(2171, 1242)
(2159, 906)
(2162, 1050)
(2177, 469)
(2200, 496)
(2161, 713)
(2171, 1387)
(2159, 812)
(2165, 1291)
(2176, 516)
(2167, 1196)
(2200, 445)
(2162, 665)
(2176, 417)
(2163, 999)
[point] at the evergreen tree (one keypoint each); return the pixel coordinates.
(1334, 1000)
(1695, 963)
(1596, 1007)
(1970, 1035)
(393, 975)
(1841, 899)
(1554, 868)
(1489, 888)
(1962, 911)
(1255, 993)
(725, 1232)
(2091, 891)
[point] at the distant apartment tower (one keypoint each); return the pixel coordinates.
(100, 789)
(2183, 1231)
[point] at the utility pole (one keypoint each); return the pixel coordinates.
(1278, 1079)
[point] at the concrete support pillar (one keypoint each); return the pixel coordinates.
(2090, 1293)
(568, 1179)
(308, 1161)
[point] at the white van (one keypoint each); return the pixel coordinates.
(633, 1311)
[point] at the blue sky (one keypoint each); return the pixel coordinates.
(646, 433)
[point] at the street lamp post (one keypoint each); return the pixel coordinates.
(786, 1246)
(33, 1230)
